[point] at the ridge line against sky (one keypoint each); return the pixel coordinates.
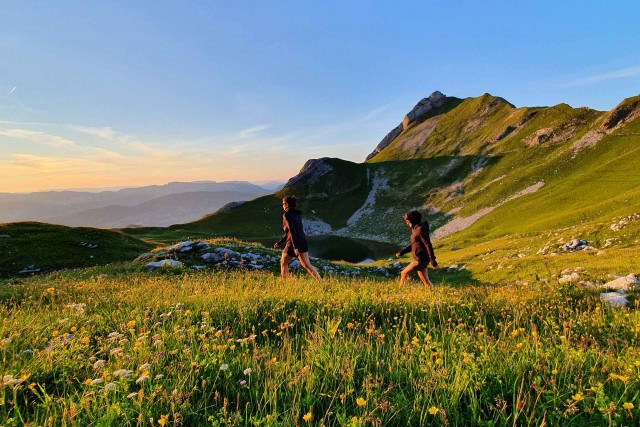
(118, 94)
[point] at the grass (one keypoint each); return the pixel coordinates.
(249, 349)
(51, 247)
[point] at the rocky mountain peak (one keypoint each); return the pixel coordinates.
(417, 114)
(311, 172)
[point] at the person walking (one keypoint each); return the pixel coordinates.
(294, 239)
(420, 248)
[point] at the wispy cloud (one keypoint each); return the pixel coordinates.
(610, 75)
(38, 137)
(251, 132)
(13, 90)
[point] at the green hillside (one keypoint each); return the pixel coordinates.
(49, 247)
(479, 169)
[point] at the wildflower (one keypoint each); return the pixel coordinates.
(618, 377)
(628, 406)
(84, 340)
(247, 371)
(131, 323)
(122, 373)
(144, 367)
(144, 377)
(554, 372)
(307, 417)
(224, 367)
(132, 395)
(163, 420)
(158, 377)
(99, 364)
(242, 382)
(577, 397)
(110, 386)
(433, 410)
(96, 381)
(360, 401)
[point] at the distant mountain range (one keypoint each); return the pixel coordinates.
(155, 205)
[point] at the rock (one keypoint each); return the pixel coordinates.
(295, 264)
(226, 252)
(569, 278)
(615, 299)
(29, 270)
(170, 263)
(179, 246)
(417, 114)
(621, 114)
(4, 236)
(543, 250)
(311, 172)
(622, 283)
(574, 245)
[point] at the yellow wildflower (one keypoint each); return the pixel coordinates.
(433, 410)
(131, 323)
(628, 406)
(307, 417)
(577, 397)
(163, 420)
(84, 340)
(360, 401)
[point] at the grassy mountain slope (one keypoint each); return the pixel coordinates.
(498, 169)
(52, 247)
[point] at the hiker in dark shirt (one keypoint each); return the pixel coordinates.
(294, 239)
(420, 248)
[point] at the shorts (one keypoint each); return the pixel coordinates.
(288, 249)
(417, 266)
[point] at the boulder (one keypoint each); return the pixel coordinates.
(622, 283)
(615, 299)
(170, 263)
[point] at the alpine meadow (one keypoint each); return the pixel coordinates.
(534, 319)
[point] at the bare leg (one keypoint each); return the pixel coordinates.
(405, 273)
(424, 276)
(306, 263)
(284, 264)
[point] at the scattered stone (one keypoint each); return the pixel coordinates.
(171, 263)
(622, 223)
(30, 270)
(569, 278)
(622, 283)
(88, 245)
(574, 245)
(615, 299)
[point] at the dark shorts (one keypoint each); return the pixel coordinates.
(416, 266)
(288, 249)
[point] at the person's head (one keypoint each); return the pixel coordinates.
(412, 218)
(289, 202)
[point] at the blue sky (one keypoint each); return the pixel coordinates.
(121, 93)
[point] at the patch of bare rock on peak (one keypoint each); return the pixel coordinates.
(416, 115)
(311, 172)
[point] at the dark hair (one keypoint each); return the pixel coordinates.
(414, 217)
(290, 201)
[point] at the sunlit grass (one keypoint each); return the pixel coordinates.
(249, 349)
